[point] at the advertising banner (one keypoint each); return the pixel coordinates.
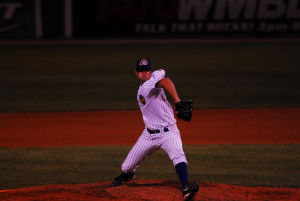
(17, 19)
(185, 17)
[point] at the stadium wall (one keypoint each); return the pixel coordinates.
(148, 18)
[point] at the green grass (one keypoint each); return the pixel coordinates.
(252, 165)
(43, 78)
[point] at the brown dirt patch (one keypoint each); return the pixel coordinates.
(229, 126)
(143, 190)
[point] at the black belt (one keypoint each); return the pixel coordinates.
(156, 131)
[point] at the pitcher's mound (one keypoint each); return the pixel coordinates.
(141, 190)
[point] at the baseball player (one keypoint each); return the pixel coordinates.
(160, 131)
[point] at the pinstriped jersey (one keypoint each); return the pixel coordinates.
(156, 109)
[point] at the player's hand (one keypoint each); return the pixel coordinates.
(184, 110)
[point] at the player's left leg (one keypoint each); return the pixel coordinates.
(173, 146)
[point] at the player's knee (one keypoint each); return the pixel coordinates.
(179, 160)
(177, 156)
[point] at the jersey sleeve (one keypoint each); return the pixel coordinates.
(158, 75)
(155, 78)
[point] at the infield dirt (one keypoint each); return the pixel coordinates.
(229, 126)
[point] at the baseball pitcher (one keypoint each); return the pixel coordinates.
(160, 131)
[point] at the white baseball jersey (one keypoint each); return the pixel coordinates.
(157, 115)
(156, 110)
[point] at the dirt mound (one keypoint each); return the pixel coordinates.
(139, 190)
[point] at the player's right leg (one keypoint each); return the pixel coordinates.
(142, 148)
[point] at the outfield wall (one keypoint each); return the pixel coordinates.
(58, 19)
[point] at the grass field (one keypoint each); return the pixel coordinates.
(78, 77)
(252, 165)
(84, 77)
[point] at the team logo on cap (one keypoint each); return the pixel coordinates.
(142, 99)
(143, 62)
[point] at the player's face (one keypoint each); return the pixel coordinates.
(144, 75)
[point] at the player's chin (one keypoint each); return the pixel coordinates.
(145, 78)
